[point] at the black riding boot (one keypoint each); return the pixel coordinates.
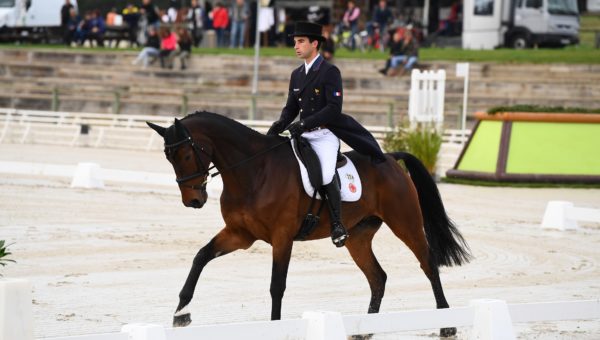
(334, 201)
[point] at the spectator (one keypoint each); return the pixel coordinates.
(405, 53)
(111, 17)
(382, 16)
(185, 46)
(168, 47)
(328, 47)
(240, 11)
(151, 50)
(65, 15)
(350, 20)
(172, 11)
(97, 27)
(72, 25)
(131, 17)
(151, 12)
(220, 19)
(195, 20)
(83, 28)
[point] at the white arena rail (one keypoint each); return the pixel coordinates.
(489, 319)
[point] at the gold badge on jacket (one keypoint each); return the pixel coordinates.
(317, 92)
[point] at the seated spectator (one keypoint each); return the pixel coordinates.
(404, 52)
(168, 47)
(97, 28)
(83, 28)
(185, 46)
(151, 50)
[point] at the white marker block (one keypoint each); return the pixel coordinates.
(87, 175)
(324, 326)
(492, 320)
(144, 331)
(16, 316)
(557, 216)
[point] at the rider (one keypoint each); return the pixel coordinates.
(315, 92)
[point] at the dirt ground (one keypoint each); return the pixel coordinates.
(102, 258)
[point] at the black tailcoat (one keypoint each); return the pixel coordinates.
(317, 97)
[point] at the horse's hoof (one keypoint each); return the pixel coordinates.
(182, 320)
(447, 332)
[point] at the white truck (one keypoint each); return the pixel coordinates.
(490, 24)
(31, 19)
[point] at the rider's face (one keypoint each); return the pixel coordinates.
(304, 48)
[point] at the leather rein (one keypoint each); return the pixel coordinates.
(202, 169)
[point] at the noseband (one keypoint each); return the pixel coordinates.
(202, 170)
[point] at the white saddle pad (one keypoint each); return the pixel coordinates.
(351, 186)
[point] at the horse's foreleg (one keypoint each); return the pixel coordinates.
(281, 261)
(226, 241)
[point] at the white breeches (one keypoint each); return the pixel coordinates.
(326, 145)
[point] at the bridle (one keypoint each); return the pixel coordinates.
(203, 170)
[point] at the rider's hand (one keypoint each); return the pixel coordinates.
(276, 128)
(296, 128)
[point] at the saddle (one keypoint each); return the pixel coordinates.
(310, 169)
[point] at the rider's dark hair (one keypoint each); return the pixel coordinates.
(320, 43)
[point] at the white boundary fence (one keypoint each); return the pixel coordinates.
(426, 97)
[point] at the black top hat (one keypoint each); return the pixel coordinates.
(308, 29)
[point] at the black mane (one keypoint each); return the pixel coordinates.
(216, 120)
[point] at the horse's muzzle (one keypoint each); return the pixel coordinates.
(194, 203)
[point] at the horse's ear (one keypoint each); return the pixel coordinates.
(178, 126)
(159, 129)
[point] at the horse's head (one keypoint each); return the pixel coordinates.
(190, 158)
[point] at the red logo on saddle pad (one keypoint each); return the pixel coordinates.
(352, 187)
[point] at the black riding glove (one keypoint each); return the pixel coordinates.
(276, 128)
(296, 128)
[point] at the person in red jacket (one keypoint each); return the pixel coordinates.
(168, 47)
(220, 18)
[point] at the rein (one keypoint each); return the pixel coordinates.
(203, 170)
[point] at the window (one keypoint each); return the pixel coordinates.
(533, 3)
(484, 7)
(7, 3)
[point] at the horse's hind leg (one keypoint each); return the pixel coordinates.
(359, 246)
(408, 226)
(226, 241)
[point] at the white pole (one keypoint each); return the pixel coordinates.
(464, 111)
(256, 60)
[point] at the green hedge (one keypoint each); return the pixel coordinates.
(537, 108)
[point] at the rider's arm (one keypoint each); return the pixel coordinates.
(291, 108)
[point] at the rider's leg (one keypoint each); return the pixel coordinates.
(326, 146)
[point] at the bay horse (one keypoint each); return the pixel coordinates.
(263, 199)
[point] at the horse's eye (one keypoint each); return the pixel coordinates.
(187, 158)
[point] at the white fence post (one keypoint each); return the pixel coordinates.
(324, 326)
(16, 316)
(144, 331)
(492, 320)
(426, 98)
(87, 175)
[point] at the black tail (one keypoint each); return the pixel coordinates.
(446, 245)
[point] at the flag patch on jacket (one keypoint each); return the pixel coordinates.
(337, 94)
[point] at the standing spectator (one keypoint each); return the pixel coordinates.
(220, 19)
(168, 47)
(151, 13)
(151, 50)
(350, 20)
(196, 19)
(65, 15)
(382, 15)
(172, 11)
(240, 11)
(131, 17)
(72, 25)
(185, 46)
(328, 47)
